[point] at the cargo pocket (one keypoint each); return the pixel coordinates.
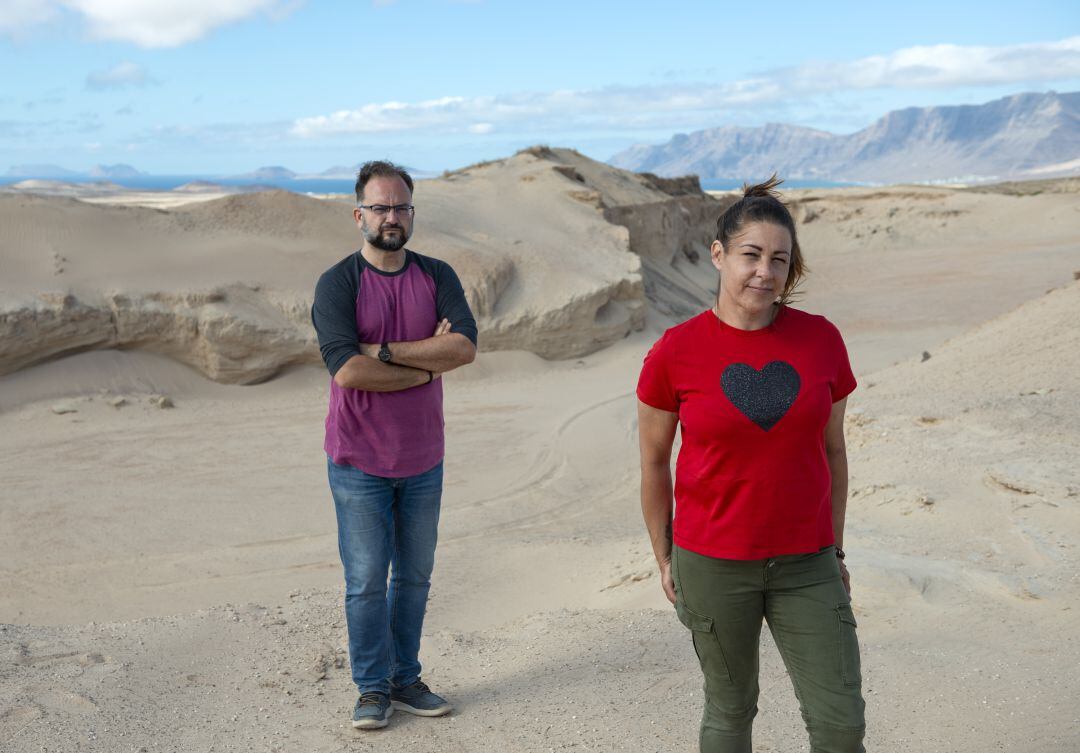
(706, 643)
(850, 665)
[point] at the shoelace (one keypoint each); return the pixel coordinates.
(371, 699)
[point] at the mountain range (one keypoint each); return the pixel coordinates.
(1031, 135)
(55, 172)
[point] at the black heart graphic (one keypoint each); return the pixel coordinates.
(762, 396)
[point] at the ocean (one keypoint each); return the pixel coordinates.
(169, 182)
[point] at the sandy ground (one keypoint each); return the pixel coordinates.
(169, 577)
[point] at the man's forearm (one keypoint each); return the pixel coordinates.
(440, 353)
(372, 375)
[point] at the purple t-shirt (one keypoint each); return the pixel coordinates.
(389, 434)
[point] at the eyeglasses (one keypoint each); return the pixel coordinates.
(385, 209)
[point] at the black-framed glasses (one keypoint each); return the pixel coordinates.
(384, 209)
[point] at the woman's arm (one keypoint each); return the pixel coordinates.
(836, 452)
(656, 434)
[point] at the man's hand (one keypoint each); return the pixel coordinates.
(442, 328)
(371, 350)
(666, 581)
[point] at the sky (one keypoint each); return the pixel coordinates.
(218, 87)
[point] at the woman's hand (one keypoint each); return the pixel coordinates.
(666, 581)
(845, 576)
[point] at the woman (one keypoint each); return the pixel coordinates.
(759, 390)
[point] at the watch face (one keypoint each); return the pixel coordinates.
(384, 354)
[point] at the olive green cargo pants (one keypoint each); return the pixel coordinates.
(808, 611)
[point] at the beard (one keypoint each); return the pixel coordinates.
(384, 241)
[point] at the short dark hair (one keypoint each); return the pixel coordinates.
(761, 203)
(381, 169)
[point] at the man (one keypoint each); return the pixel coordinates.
(390, 323)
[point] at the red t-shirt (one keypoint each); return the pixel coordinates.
(752, 480)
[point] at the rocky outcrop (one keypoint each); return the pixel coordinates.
(484, 279)
(584, 324)
(558, 254)
(236, 335)
(663, 230)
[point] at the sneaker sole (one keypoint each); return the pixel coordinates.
(375, 723)
(440, 711)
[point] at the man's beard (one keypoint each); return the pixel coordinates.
(385, 242)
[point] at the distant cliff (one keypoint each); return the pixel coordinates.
(1025, 135)
(114, 171)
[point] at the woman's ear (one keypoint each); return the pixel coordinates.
(716, 252)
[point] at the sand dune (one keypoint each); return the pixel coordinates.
(224, 285)
(903, 268)
(170, 578)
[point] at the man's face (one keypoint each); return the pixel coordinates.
(389, 231)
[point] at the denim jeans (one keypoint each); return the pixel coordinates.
(385, 525)
(803, 600)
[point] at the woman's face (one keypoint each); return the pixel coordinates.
(754, 266)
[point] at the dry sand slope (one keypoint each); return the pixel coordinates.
(170, 579)
(225, 285)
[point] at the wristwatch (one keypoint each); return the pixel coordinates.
(384, 353)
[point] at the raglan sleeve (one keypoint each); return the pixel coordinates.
(843, 383)
(655, 387)
(333, 313)
(451, 304)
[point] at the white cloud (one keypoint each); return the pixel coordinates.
(16, 15)
(165, 23)
(156, 23)
(483, 114)
(943, 65)
(658, 106)
(119, 76)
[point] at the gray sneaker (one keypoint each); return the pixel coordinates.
(418, 699)
(373, 711)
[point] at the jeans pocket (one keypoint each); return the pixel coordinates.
(850, 663)
(707, 646)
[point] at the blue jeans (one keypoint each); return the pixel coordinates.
(385, 524)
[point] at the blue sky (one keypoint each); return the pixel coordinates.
(225, 86)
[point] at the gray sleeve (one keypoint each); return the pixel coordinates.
(334, 315)
(450, 303)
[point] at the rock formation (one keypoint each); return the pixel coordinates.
(557, 254)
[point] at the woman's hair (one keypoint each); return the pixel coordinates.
(761, 203)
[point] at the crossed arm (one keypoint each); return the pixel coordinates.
(415, 362)
(656, 434)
